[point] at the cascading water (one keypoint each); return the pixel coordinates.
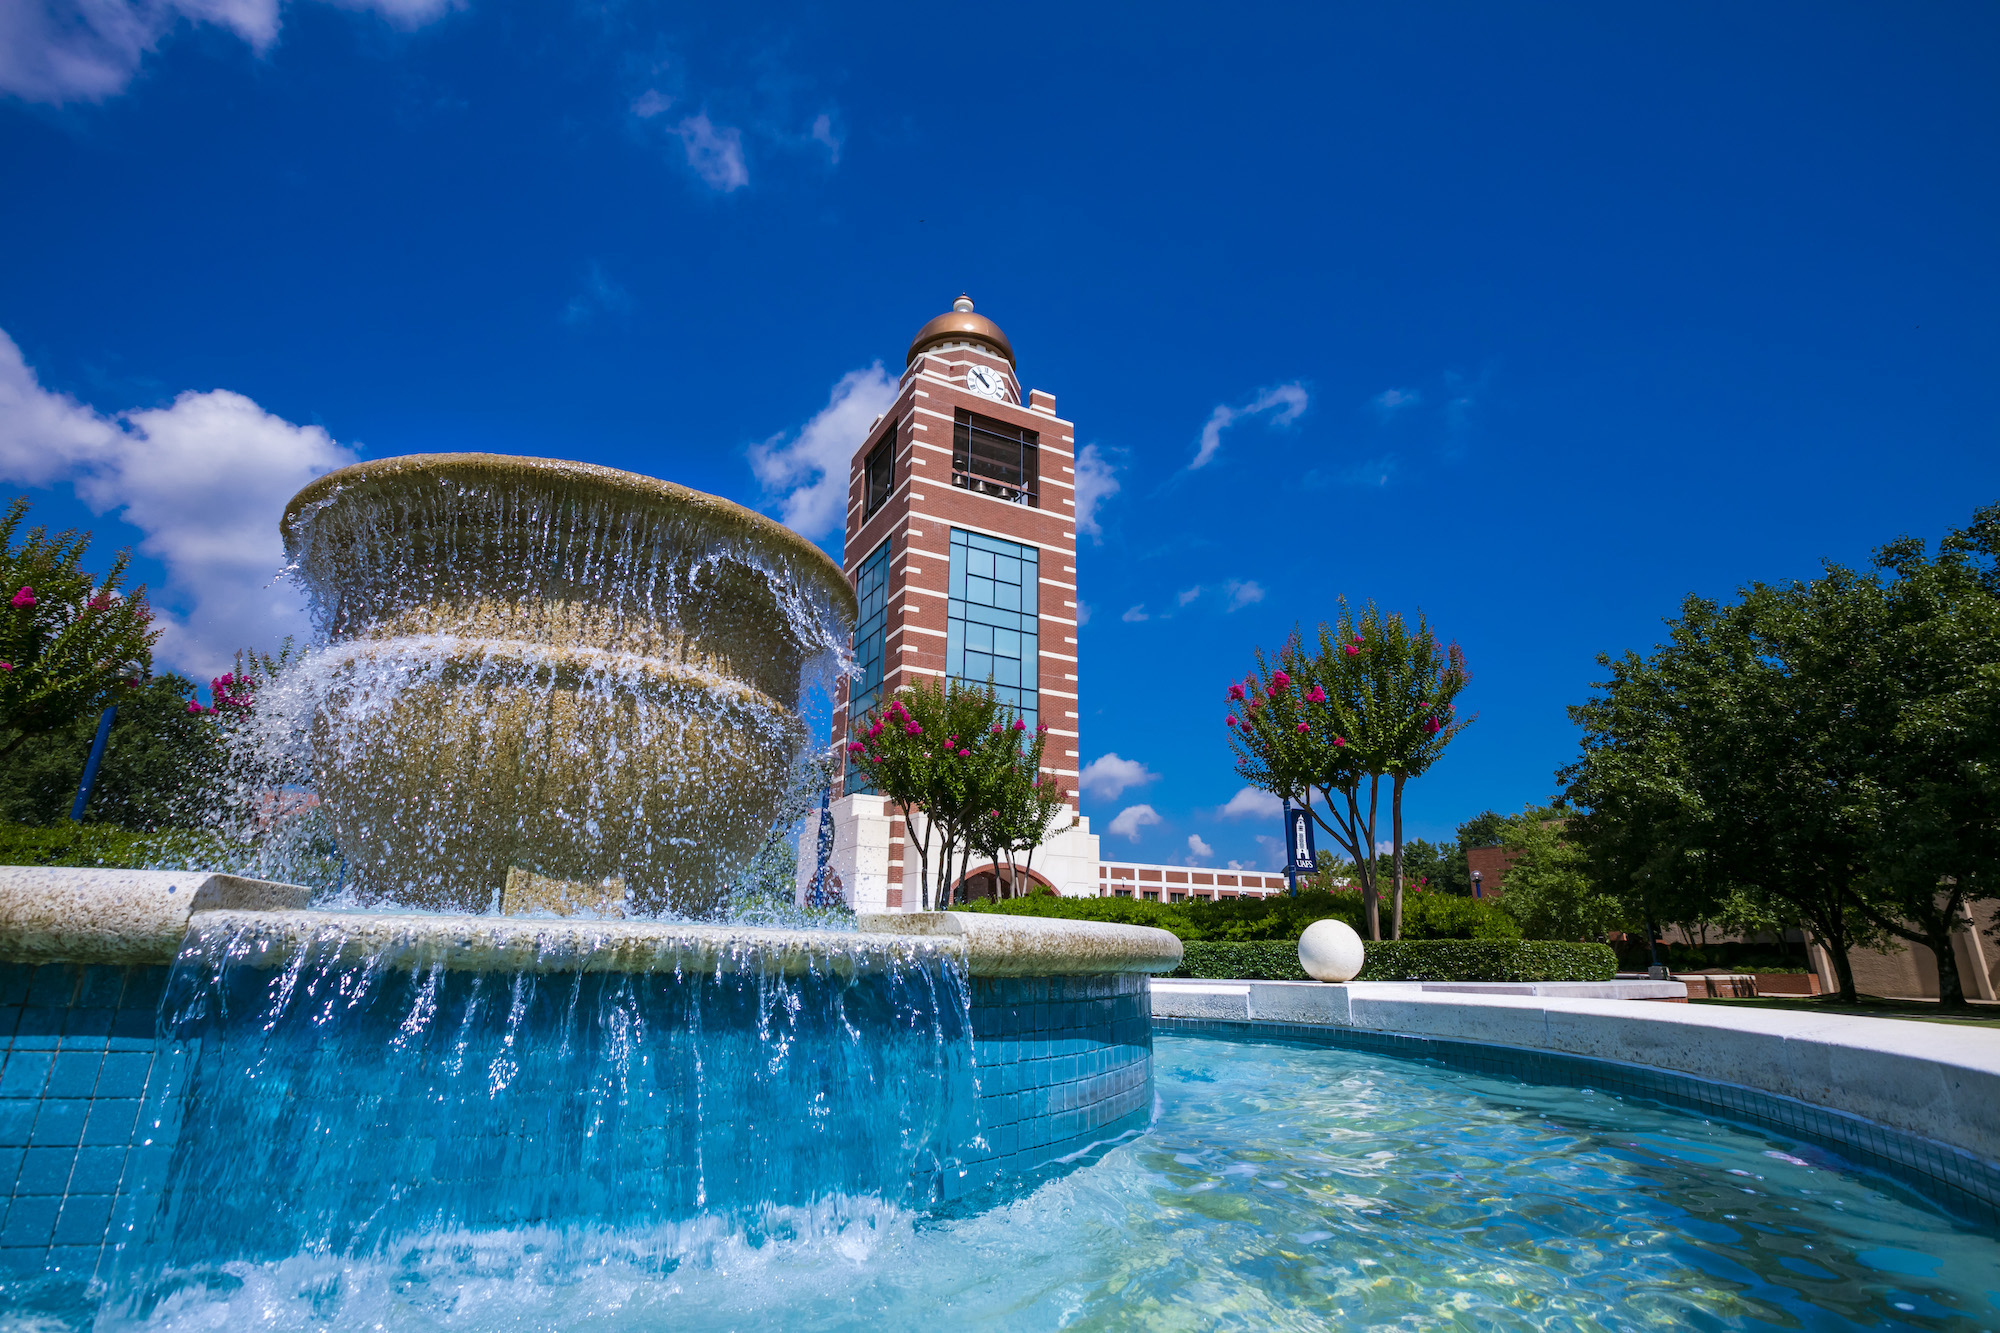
(550, 685)
(350, 1088)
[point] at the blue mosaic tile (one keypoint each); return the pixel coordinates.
(59, 1124)
(31, 1221)
(74, 1073)
(26, 1073)
(17, 1119)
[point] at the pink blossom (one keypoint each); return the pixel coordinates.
(1351, 650)
(1318, 696)
(6, 666)
(1041, 727)
(913, 730)
(875, 730)
(1431, 726)
(24, 598)
(99, 602)
(1280, 682)
(856, 747)
(1236, 691)
(993, 814)
(1340, 740)
(1303, 728)
(1230, 720)
(965, 754)
(1020, 724)
(994, 729)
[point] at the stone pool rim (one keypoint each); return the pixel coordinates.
(1959, 1182)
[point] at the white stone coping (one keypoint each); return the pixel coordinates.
(550, 944)
(63, 915)
(1940, 1081)
(999, 944)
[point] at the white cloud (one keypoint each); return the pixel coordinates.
(1237, 865)
(809, 471)
(1251, 802)
(1108, 776)
(822, 133)
(204, 480)
(1385, 847)
(1134, 614)
(1082, 614)
(1242, 594)
(1273, 848)
(715, 152)
(599, 295)
(1391, 401)
(1096, 482)
(1198, 849)
(650, 103)
(1132, 819)
(1190, 594)
(1285, 402)
(60, 51)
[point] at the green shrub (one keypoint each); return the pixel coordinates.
(1426, 916)
(1242, 960)
(1488, 960)
(105, 845)
(1407, 960)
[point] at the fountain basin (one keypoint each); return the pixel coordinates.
(553, 673)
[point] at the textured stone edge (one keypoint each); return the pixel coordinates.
(999, 945)
(548, 944)
(1938, 1082)
(58, 914)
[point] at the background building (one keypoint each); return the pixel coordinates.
(961, 545)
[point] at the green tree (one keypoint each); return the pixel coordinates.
(937, 750)
(160, 767)
(69, 642)
(1551, 891)
(1371, 698)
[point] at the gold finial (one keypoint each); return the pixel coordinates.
(963, 304)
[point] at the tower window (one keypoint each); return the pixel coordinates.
(871, 590)
(880, 473)
(992, 632)
(994, 458)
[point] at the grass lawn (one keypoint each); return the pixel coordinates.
(1984, 1013)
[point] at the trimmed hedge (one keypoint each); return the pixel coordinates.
(1408, 960)
(1426, 916)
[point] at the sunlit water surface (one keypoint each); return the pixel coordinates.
(1281, 1187)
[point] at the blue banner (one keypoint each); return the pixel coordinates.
(1301, 858)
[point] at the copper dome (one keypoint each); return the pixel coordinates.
(956, 323)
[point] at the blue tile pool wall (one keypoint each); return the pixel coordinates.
(1064, 1064)
(77, 1051)
(1950, 1177)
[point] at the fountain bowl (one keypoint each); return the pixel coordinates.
(553, 685)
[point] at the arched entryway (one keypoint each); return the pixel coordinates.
(989, 881)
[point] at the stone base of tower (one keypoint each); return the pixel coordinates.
(873, 869)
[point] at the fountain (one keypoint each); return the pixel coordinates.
(554, 709)
(553, 685)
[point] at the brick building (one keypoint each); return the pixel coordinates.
(961, 545)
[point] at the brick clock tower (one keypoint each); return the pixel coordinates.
(961, 546)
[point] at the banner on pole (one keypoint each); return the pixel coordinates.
(1301, 858)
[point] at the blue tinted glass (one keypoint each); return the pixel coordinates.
(979, 590)
(978, 666)
(1007, 595)
(1007, 642)
(1007, 670)
(1006, 570)
(957, 574)
(980, 637)
(954, 657)
(979, 562)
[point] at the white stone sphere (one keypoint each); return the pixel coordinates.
(1330, 951)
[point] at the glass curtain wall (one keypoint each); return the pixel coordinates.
(871, 590)
(993, 629)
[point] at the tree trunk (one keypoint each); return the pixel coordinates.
(1364, 866)
(923, 858)
(1396, 832)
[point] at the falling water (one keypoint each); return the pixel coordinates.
(348, 1086)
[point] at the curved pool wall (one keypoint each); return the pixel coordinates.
(364, 1076)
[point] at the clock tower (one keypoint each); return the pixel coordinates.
(961, 546)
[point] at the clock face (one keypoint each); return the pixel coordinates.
(987, 382)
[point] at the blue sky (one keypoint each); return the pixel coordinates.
(1534, 317)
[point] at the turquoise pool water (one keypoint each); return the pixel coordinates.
(1280, 1187)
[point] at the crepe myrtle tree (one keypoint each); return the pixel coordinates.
(70, 642)
(1370, 698)
(1025, 802)
(942, 749)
